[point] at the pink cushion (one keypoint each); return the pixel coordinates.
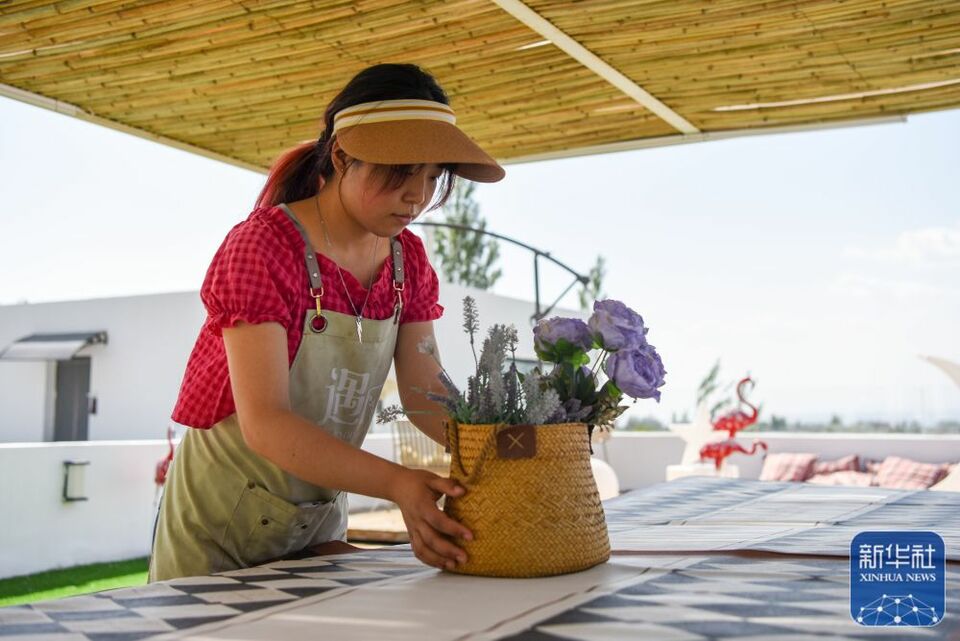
(784, 466)
(851, 462)
(844, 477)
(904, 474)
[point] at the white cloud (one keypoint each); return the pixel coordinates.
(849, 284)
(917, 246)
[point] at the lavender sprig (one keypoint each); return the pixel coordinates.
(471, 325)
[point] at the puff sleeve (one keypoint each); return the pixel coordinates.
(248, 279)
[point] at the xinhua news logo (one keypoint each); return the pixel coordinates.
(897, 578)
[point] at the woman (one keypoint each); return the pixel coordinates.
(309, 300)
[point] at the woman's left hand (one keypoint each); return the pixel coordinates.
(416, 492)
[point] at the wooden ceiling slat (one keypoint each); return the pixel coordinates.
(301, 100)
(161, 94)
(163, 53)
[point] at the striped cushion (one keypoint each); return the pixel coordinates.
(904, 474)
(851, 463)
(785, 466)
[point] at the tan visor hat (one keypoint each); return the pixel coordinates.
(411, 132)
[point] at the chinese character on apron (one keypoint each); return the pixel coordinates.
(225, 507)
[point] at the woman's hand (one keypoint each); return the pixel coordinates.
(417, 493)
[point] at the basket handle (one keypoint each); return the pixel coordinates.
(453, 438)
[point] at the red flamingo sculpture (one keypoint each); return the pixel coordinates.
(720, 450)
(738, 419)
(160, 476)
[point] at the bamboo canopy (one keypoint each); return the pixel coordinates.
(243, 80)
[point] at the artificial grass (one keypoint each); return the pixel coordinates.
(82, 579)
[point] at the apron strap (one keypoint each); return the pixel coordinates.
(396, 251)
(313, 269)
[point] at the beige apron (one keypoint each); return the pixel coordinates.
(225, 507)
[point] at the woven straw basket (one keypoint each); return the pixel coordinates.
(530, 517)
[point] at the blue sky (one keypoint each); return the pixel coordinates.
(823, 263)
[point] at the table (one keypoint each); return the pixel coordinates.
(695, 558)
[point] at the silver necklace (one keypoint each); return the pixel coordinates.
(376, 243)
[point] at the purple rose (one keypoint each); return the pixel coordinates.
(616, 325)
(548, 334)
(637, 372)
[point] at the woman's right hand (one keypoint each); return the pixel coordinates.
(416, 492)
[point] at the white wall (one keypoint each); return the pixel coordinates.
(136, 376)
(42, 532)
(23, 394)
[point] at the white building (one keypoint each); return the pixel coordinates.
(110, 369)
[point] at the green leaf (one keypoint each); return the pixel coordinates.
(610, 389)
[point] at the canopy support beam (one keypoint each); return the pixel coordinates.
(69, 109)
(588, 59)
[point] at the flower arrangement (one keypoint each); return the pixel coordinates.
(518, 444)
(573, 390)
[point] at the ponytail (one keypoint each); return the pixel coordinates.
(296, 173)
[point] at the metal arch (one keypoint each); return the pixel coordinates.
(537, 253)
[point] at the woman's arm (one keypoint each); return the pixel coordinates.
(417, 373)
(259, 376)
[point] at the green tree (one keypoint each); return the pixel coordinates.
(591, 290)
(466, 257)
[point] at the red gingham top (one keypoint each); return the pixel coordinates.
(259, 274)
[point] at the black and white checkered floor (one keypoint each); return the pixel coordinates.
(697, 558)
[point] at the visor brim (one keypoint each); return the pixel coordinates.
(412, 142)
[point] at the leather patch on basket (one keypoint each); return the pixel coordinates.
(517, 441)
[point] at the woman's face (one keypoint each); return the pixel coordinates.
(386, 211)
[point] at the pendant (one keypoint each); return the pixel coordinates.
(359, 330)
